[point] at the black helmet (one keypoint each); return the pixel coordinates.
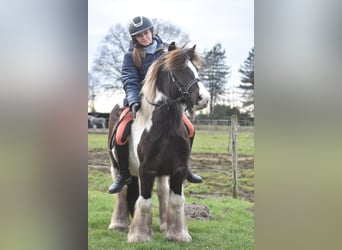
(139, 24)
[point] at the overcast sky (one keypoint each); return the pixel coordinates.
(207, 22)
(229, 22)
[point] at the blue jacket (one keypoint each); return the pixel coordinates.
(132, 77)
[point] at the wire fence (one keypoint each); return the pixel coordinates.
(211, 125)
(244, 124)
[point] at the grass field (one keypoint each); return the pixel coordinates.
(231, 225)
(231, 221)
(206, 141)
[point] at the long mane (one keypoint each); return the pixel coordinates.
(175, 59)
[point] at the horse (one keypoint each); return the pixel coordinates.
(97, 121)
(159, 147)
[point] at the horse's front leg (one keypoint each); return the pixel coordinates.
(163, 191)
(176, 229)
(141, 226)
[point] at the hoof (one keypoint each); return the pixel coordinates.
(118, 227)
(133, 238)
(185, 237)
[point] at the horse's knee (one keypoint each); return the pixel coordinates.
(132, 194)
(176, 182)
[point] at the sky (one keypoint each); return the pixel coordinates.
(208, 22)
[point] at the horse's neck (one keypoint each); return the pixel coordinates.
(155, 108)
(168, 117)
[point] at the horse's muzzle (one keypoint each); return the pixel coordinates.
(200, 106)
(201, 103)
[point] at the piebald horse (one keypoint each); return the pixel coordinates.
(159, 147)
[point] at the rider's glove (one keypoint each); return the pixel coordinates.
(134, 107)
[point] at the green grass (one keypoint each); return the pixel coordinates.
(217, 142)
(205, 141)
(232, 222)
(231, 225)
(97, 141)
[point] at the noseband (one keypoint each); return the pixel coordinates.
(184, 93)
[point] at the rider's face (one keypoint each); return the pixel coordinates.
(144, 38)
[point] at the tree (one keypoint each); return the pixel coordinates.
(247, 79)
(215, 73)
(108, 61)
(170, 32)
(93, 88)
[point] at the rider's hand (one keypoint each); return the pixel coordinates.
(134, 108)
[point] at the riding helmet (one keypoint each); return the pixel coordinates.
(139, 24)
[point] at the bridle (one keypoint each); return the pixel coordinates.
(184, 93)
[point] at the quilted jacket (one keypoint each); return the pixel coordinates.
(132, 77)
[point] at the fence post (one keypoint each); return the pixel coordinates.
(234, 154)
(229, 134)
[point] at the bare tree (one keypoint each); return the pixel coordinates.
(108, 61)
(170, 32)
(93, 88)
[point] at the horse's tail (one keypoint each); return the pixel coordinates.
(132, 194)
(112, 123)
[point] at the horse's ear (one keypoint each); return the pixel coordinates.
(172, 46)
(191, 51)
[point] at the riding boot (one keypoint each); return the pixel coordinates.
(194, 178)
(191, 177)
(124, 176)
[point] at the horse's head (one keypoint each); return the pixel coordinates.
(184, 82)
(177, 78)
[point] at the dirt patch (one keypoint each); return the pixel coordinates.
(215, 169)
(197, 211)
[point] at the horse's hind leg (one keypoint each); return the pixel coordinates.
(163, 190)
(176, 229)
(141, 226)
(120, 216)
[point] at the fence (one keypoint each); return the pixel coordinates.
(212, 125)
(223, 125)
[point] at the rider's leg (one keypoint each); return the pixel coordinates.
(191, 177)
(121, 145)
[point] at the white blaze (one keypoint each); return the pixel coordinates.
(203, 92)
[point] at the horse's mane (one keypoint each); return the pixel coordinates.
(175, 59)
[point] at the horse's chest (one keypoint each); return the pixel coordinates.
(136, 133)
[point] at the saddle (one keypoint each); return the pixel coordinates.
(114, 123)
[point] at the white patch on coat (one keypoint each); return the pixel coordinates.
(203, 92)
